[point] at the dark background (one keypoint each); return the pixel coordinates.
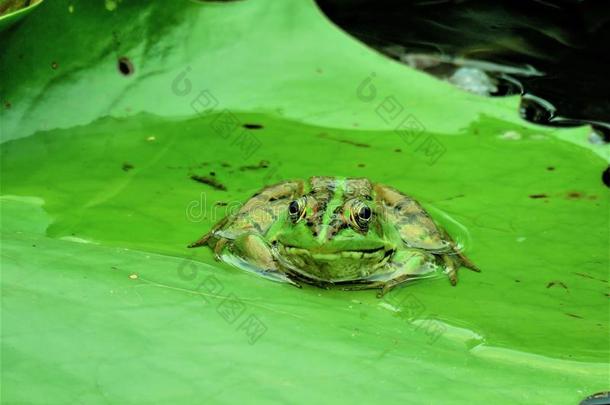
(567, 40)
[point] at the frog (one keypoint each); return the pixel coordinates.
(346, 232)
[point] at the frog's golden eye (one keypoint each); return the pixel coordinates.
(360, 215)
(363, 217)
(296, 209)
(364, 214)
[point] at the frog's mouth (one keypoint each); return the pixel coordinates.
(334, 266)
(357, 253)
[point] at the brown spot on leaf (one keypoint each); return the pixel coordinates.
(263, 164)
(253, 126)
(127, 166)
(585, 275)
(209, 181)
(361, 165)
(556, 283)
(574, 194)
(346, 141)
(573, 315)
(398, 150)
(54, 65)
(550, 168)
(538, 196)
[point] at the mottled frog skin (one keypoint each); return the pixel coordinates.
(336, 231)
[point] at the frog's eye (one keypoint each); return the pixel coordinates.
(361, 215)
(293, 208)
(364, 214)
(296, 209)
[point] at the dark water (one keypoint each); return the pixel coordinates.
(566, 42)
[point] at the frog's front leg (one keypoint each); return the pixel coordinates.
(257, 253)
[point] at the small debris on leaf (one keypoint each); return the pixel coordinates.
(263, 164)
(556, 283)
(209, 181)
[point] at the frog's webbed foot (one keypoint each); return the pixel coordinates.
(453, 261)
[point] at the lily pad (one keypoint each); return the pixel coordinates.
(107, 125)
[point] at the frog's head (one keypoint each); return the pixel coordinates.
(335, 231)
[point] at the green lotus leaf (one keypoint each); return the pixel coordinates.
(110, 108)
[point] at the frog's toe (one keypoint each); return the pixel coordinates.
(452, 274)
(294, 283)
(466, 262)
(201, 241)
(279, 276)
(473, 268)
(391, 284)
(385, 289)
(451, 267)
(218, 248)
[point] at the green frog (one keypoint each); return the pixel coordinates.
(332, 231)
